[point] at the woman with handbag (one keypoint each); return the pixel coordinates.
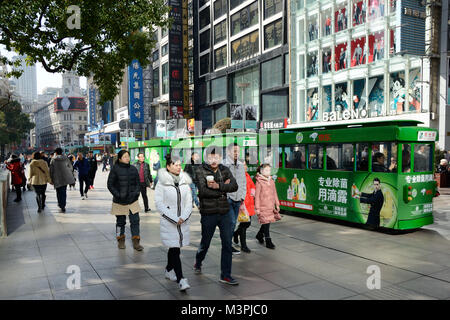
(39, 177)
(267, 205)
(246, 211)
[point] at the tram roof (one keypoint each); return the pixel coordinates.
(356, 123)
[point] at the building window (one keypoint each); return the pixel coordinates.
(155, 55)
(275, 105)
(220, 8)
(272, 74)
(204, 40)
(244, 19)
(221, 112)
(220, 57)
(273, 34)
(204, 18)
(204, 64)
(219, 89)
(156, 82)
(85, 118)
(164, 50)
(155, 35)
(164, 32)
(235, 3)
(165, 78)
(272, 7)
(201, 3)
(245, 47)
(220, 32)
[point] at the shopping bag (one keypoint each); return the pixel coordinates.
(243, 214)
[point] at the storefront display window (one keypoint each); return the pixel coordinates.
(273, 34)
(358, 52)
(313, 28)
(359, 12)
(340, 18)
(245, 47)
(359, 95)
(312, 102)
(376, 47)
(326, 23)
(326, 60)
(341, 56)
(244, 19)
(251, 94)
(341, 97)
(326, 98)
(220, 57)
(376, 95)
(376, 9)
(313, 64)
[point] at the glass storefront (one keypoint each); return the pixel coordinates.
(272, 73)
(251, 94)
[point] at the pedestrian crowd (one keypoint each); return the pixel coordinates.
(221, 189)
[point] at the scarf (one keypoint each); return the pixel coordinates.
(176, 178)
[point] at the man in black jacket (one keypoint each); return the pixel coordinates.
(214, 181)
(145, 178)
(92, 169)
(376, 200)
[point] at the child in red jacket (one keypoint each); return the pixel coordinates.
(249, 203)
(15, 167)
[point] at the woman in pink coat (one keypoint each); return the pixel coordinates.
(267, 205)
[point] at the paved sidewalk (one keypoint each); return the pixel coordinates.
(312, 260)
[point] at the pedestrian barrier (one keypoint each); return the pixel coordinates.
(4, 187)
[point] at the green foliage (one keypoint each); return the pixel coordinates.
(14, 124)
(108, 39)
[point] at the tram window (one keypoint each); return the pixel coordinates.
(406, 158)
(315, 156)
(295, 157)
(362, 157)
(423, 157)
(251, 156)
(384, 157)
(340, 157)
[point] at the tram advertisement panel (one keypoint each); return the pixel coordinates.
(337, 195)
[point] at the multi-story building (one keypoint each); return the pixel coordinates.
(361, 59)
(240, 45)
(26, 84)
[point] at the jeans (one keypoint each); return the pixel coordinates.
(40, 189)
(209, 224)
(174, 262)
(61, 195)
(234, 212)
(194, 194)
(85, 180)
(134, 224)
(144, 195)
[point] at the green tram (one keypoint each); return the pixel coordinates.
(322, 170)
(155, 150)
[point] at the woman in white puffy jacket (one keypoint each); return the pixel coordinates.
(173, 199)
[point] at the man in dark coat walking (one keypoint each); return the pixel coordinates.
(61, 172)
(82, 165)
(376, 200)
(92, 169)
(145, 178)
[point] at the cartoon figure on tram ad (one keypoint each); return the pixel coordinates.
(377, 201)
(313, 105)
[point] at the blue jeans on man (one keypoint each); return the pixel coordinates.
(233, 213)
(194, 194)
(209, 224)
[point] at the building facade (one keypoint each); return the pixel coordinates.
(359, 59)
(240, 42)
(26, 84)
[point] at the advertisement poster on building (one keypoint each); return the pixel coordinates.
(171, 126)
(376, 95)
(239, 113)
(312, 102)
(161, 128)
(136, 92)
(191, 125)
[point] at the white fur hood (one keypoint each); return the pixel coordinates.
(166, 179)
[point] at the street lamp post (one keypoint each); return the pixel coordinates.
(243, 86)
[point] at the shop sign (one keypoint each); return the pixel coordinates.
(344, 115)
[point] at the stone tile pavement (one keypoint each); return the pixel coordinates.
(313, 259)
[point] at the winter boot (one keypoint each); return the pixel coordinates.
(269, 243)
(260, 237)
(121, 242)
(136, 244)
(43, 201)
(38, 200)
(243, 236)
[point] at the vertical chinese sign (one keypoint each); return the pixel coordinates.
(92, 106)
(176, 60)
(185, 58)
(136, 93)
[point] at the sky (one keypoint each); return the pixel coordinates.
(44, 78)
